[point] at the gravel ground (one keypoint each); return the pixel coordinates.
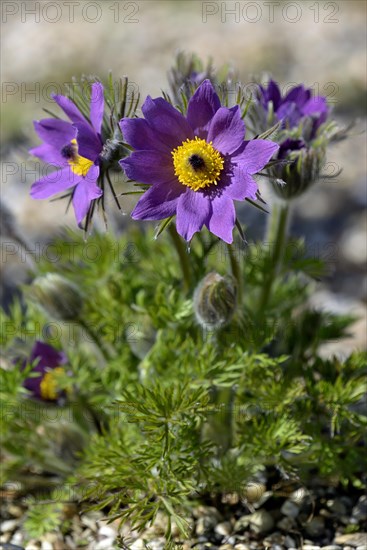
(312, 519)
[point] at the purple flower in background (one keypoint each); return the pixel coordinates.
(74, 148)
(297, 104)
(48, 363)
(196, 165)
(289, 145)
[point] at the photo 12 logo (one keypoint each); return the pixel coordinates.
(272, 12)
(71, 11)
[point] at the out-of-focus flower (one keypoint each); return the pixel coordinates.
(295, 105)
(215, 301)
(196, 165)
(74, 149)
(47, 363)
(305, 132)
(188, 72)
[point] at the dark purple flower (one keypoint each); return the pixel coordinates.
(47, 362)
(289, 145)
(73, 148)
(295, 105)
(196, 165)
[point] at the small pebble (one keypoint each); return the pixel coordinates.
(16, 511)
(205, 524)
(105, 544)
(289, 542)
(261, 522)
(242, 523)
(290, 509)
(223, 529)
(107, 531)
(315, 527)
(286, 524)
(359, 511)
(352, 539)
(337, 507)
(9, 525)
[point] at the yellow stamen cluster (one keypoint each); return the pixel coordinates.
(197, 164)
(79, 165)
(48, 386)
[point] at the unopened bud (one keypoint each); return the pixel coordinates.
(58, 296)
(215, 301)
(301, 171)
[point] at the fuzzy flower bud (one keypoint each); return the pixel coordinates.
(215, 301)
(302, 169)
(59, 297)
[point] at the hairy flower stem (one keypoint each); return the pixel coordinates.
(220, 425)
(236, 271)
(183, 256)
(96, 339)
(276, 239)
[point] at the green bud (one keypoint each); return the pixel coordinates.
(215, 301)
(58, 296)
(298, 175)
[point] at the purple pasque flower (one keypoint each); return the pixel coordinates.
(196, 165)
(48, 363)
(73, 148)
(289, 145)
(295, 105)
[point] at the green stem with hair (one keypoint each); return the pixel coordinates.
(182, 255)
(276, 239)
(236, 271)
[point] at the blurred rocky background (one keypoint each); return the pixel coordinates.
(319, 43)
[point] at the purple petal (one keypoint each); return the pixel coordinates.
(86, 191)
(97, 106)
(159, 202)
(53, 183)
(149, 167)
(223, 218)
(290, 145)
(241, 185)
(89, 144)
(171, 126)
(202, 107)
(193, 211)
(49, 154)
(271, 93)
(55, 132)
(255, 154)
(137, 133)
(226, 130)
(69, 108)
(48, 356)
(298, 95)
(290, 114)
(316, 105)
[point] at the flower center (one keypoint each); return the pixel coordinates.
(48, 386)
(197, 164)
(79, 165)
